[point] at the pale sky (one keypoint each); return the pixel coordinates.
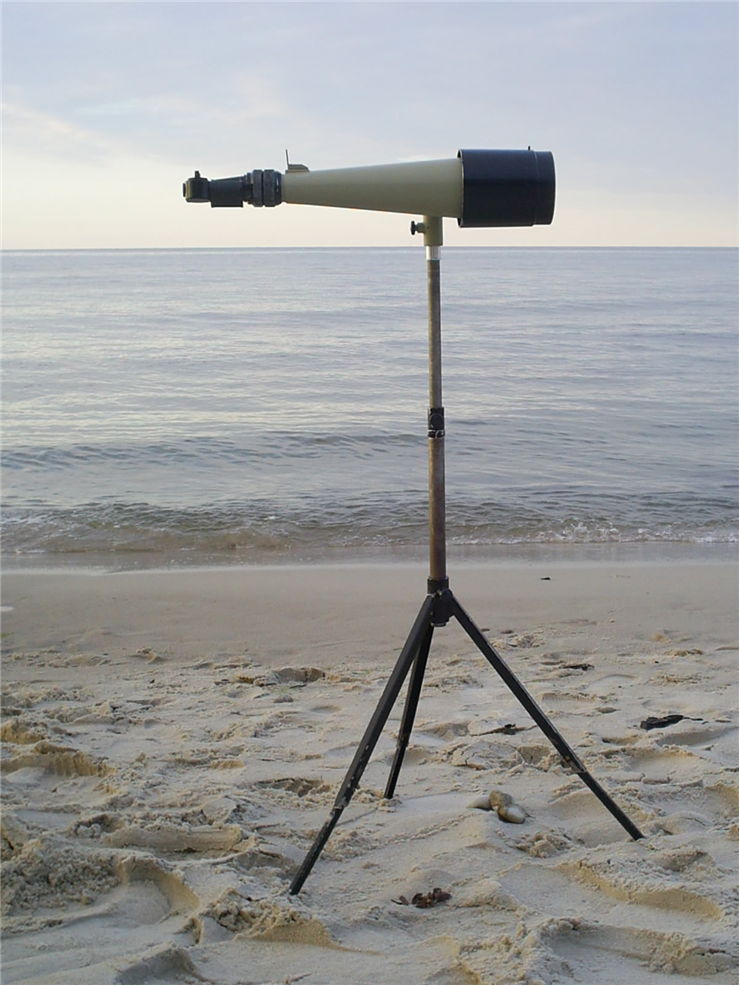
(108, 107)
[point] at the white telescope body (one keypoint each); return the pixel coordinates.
(429, 188)
(478, 188)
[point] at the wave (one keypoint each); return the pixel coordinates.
(206, 450)
(265, 530)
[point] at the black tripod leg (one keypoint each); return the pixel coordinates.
(409, 709)
(521, 693)
(370, 738)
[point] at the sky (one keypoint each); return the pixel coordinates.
(108, 107)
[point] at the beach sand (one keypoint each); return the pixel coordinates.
(174, 740)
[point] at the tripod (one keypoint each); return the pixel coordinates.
(439, 606)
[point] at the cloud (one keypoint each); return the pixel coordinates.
(37, 133)
(637, 101)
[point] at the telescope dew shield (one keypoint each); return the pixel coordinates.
(478, 188)
(507, 188)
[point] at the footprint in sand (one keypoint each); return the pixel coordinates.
(162, 965)
(695, 807)
(162, 837)
(57, 760)
(591, 952)
(586, 820)
(50, 778)
(642, 884)
(265, 677)
(21, 731)
(662, 764)
(308, 790)
(717, 743)
(55, 896)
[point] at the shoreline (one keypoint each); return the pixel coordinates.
(595, 553)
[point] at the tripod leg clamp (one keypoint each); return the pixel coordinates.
(443, 604)
(437, 585)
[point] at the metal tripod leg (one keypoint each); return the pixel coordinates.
(409, 709)
(521, 693)
(367, 744)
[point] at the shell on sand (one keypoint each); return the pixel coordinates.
(482, 803)
(505, 808)
(499, 799)
(512, 813)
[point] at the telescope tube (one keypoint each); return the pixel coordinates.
(478, 188)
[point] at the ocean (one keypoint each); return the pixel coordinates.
(239, 406)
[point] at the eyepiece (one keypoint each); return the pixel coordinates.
(257, 188)
(195, 189)
(229, 192)
(221, 192)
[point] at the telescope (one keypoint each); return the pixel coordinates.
(482, 188)
(478, 188)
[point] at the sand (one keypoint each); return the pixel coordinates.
(174, 740)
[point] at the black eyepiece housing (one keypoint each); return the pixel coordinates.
(256, 188)
(196, 189)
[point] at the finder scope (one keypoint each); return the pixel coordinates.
(478, 188)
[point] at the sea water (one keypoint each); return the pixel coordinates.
(249, 405)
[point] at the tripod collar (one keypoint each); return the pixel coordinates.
(442, 607)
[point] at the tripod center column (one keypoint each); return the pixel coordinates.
(436, 418)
